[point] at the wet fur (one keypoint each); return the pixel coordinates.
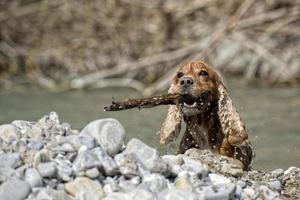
(214, 124)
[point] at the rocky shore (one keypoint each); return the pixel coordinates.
(48, 160)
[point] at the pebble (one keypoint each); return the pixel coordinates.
(93, 173)
(127, 165)
(218, 179)
(8, 133)
(155, 182)
(47, 169)
(12, 160)
(85, 159)
(50, 161)
(33, 177)
(14, 190)
(178, 194)
(148, 156)
(85, 186)
(109, 134)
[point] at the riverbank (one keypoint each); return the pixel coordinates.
(48, 159)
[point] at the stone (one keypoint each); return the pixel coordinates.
(218, 179)
(85, 159)
(127, 165)
(277, 172)
(41, 157)
(265, 193)
(35, 144)
(275, 185)
(172, 160)
(85, 186)
(48, 194)
(33, 177)
(155, 182)
(219, 192)
(110, 186)
(8, 133)
(14, 190)
(231, 169)
(84, 140)
(109, 134)
(7, 173)
(183, 182)
(12, 160)
(148, 156)
(194, 166)
(34, 133)
(64, 169)
(93, 173)
(47, 169)
(109, 166)
(177, 194)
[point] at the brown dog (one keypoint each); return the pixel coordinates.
(212, 120)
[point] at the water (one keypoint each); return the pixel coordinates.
(272, 116)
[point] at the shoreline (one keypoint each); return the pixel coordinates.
(48, 159)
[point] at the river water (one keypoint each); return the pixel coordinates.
(271, 115)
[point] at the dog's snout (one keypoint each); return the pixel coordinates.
(186, 81)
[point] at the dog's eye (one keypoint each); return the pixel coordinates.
(203, 73)
(179, 74)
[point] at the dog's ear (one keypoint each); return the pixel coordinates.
(171, 127)
(233, 127)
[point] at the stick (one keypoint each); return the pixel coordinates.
(143, 103)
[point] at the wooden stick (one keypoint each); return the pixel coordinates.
(143, 103)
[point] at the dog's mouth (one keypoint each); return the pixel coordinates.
(191, 105)
(190, 102)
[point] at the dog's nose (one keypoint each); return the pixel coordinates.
(186, 81)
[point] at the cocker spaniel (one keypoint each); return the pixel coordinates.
(211, 118)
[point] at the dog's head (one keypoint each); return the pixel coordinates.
(198, 84)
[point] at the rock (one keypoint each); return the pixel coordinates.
(34, 133)
(93, 173)
(231, 169)
(183, 182)
(14, 190)
(277, 172)
(128, 185)
(64, 169)
(12, 160)
(48, 194)
(218, 179)
(7, 173)
(35, 144)
(47, 169)
(41, 157)
(8, 133)
(248, 193)
(275, 185)
(33, 177)
(127, 165)
(109, 134)
(85, 159)
(264, 192)
(85, 186)
(219, 192)
(84, 140)
(110, 186)
(19, 146)
(194, 166)
(155, 182)
(178, 194)
(172, 160)
(109, 166)
(148, 156)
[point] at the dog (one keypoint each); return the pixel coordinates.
(212, 122)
